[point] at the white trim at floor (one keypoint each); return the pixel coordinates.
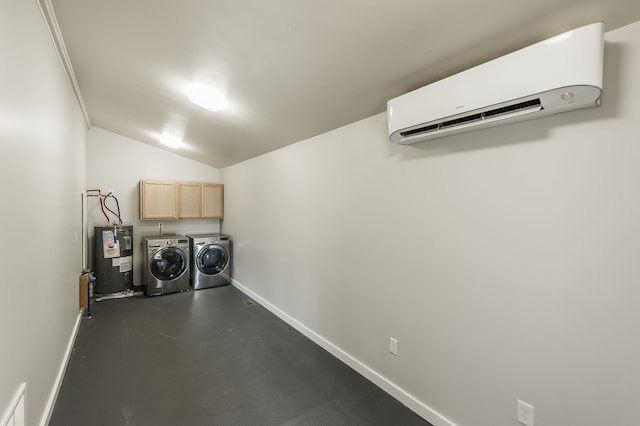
(48, 410)
(424, 411)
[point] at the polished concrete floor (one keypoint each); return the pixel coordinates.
(207, 358)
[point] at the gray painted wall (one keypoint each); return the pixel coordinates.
(42, 164)
(504, 261)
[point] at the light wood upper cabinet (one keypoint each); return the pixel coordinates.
(212, 200)
(181, 200)
(189, 200)
(200, 200)
(157, 199)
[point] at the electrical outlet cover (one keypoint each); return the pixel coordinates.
(525, 413)
(393, 346)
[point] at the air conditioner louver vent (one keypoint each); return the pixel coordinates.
(514, 109)
(527, 105)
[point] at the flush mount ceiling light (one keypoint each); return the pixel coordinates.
(171, 139)
(206, 97)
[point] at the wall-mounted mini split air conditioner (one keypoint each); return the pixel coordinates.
(556, 75)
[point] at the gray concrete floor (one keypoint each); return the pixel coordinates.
(205, 358)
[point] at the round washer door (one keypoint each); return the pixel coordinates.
(212, 259)
(169, 263)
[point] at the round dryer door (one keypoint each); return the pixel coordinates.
(169, 263)
(212, 259)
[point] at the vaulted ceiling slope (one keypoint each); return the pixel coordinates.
(291, 69)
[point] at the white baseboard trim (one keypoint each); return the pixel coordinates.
(14, 414)
(424, 411)
(51, 402)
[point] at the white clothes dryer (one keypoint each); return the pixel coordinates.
(166, 264)
(210, 260)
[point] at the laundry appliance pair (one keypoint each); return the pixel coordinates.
(176, 262)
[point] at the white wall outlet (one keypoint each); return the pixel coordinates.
(525, 413)
(393, 346)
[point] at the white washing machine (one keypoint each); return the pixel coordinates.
(166, 264)
(210, 260)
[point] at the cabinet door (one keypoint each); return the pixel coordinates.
(157, 199)
(189, 200)
(212, 200)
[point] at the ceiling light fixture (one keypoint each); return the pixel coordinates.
(206, 97)
(171, 139)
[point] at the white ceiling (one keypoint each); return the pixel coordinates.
(291, 69)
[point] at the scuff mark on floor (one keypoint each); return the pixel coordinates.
(169, 336)
(127, 415)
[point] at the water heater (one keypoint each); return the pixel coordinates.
(113, 259)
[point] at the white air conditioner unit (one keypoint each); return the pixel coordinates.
(556, 75)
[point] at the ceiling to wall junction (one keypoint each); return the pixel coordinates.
(289, 69)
